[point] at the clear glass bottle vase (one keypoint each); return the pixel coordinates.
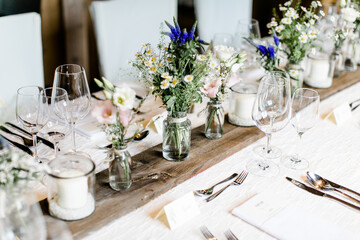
(350, 64)
(214, 123)
(296, 73)
(176, 137)
(119, 168)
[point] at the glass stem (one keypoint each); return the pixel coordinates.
(73, 135)
(34, 136)
(296, 158)
(56, 148)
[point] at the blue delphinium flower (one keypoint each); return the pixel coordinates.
(183, 36)
(172, 36)
(177, 27)
(172, 29)
(262, 49)
(271, 51)
(276, 39)
(192, 32)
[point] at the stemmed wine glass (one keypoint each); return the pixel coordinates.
(270, 114)
(72, 78)
(57, 126)
(32, 111)
(304, 114)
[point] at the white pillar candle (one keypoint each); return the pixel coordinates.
(319, 71)
(243, 106)
(72, 193)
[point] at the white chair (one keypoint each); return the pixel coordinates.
(21, 59)
(121, 26)
(220, 16)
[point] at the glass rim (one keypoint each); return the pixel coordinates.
(85, 174)
(252, 21)
(317, 95)
(29, 94)
(82, 69)
(57, 88)
(244, 83)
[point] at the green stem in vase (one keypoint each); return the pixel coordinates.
(211, 118)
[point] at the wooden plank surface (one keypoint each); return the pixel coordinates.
(111, 205)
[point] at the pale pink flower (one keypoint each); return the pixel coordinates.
(104, 112)
(124, 117)
(212, 88)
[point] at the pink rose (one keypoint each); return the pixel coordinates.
(124, 117)
(212, 88)
(104, 112)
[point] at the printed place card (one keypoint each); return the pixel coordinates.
(340, 114)
(179, 211)
(156, 123)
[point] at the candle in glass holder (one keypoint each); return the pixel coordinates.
(320, 70)
(242, 100)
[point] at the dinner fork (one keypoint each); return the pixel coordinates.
(209, 191)
(230, 235)
(207, 234)
(239, 180)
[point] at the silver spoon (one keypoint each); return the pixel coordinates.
(321, 184)
(210, 190)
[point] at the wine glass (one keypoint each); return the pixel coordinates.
(270, 114)
(304, 114)
(32, 111)
(224, 39)
(72, 78)
(57, 126)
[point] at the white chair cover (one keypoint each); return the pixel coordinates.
(21, 59)
(220, 16)
(121, 26)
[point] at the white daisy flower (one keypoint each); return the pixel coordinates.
(174, 82)
(274, 24)
(286, 20)
(164, 84)
(312, 21)
(322, 13)
(293, 73)
(148, 51)
(314, 4)
(124, 97)
(152, 69)
(188, 78)
(319, 3)
(295, 16)
(169, 78)
(268, 25)
(279, 28)
(288, 3)
(332, 19)
(307, 24)
(312, 33)
(304, 9)
(270, 31)
(298, 26)
(282, 8)
(303, 38)
(273, 19)
(316, 16)
(288, 14)
(148, 63)
(201, 57)
(213, 63)
(165, 75)
(168, 59)
(153, 59)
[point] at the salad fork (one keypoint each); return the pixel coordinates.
(239, 180)
(207, 234)
(230, 235)
(210, 190)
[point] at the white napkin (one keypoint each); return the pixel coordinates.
(286, 221)
(89, 127)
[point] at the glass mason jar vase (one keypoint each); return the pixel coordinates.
(296, 73)
(71, 186)
(350, 64)
(119, 168)
(214, 123)
(176, 137)
(320, 72)
(338, 59)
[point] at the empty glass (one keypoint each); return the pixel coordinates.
(304, 114)
(270, 114)
(72, 78)
(32, 111)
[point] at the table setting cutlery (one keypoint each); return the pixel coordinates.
(238, 181)
(138, 137)
(207, 234)
(26, 133)
(352, 107)
(319, 193)
(230, 235)
(209, 191)
(322, 184)
(18, 145)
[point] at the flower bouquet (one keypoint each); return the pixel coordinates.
(296, 30)
(174, 73)
(116, 114)
(226, 60)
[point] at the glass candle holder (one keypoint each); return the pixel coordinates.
(320, 70)
(241, 103)
(71, 187)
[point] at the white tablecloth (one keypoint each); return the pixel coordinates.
(333, 151)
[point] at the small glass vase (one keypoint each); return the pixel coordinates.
(338, 59)
(214, 123)
(176, 137)
(350, 64)
(22, 217)
(296, 73)
(119, 168)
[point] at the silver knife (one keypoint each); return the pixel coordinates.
(319, 193)
(43, 140)
(335, 185)
(18, 145)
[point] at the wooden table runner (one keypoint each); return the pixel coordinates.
(111, 205)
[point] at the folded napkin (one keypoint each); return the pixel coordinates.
(89, 127)
(281, 220)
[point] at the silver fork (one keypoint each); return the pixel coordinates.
(207, 234)
(230, 235)
(239, 180)
(209, 191)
